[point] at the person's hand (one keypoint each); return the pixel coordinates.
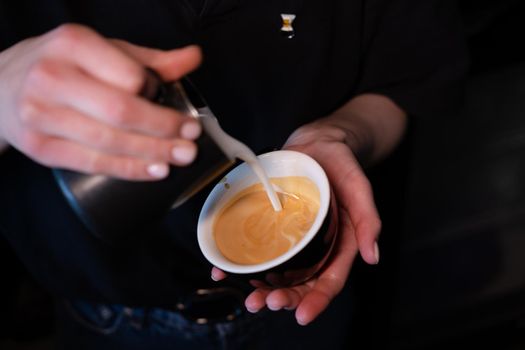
(69, 99)
(359, 227)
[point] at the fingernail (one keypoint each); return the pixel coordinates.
(184, 154)
(274, 307)
(213, 277)
(301, 322)
(159, 170)
(376, 252)
(190, 130)
(251, 310)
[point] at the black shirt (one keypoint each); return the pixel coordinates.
(259, 83)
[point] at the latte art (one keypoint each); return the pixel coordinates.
(249, 231)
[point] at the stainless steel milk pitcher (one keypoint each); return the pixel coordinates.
(113, 208)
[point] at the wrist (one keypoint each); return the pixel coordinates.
(373, 125)
(353, 135)
(358, 137)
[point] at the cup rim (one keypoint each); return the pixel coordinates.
(208, 209)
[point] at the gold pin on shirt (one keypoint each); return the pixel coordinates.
(287, 28)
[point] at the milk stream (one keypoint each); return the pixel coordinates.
(233, 148)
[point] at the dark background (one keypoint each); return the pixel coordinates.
(453, 247)
(453, 264)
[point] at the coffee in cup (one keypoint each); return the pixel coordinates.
(240, 233)
(249, 231)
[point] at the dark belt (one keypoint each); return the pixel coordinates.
(213, 305)
(203, 306)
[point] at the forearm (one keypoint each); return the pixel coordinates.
(371, 125)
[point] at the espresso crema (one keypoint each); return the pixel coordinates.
(249, 231)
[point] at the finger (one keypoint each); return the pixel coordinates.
(311, 306)
(317, 299)
(60, 153)
(287, 298)
(96, 56)
(277, 299)
(256, 300)
(258, 284)
(358, 202)
(71, 125)
(171, 65)
(355, 196)
(217, 274)
(353, 191)
(70, 87)
(332, 279)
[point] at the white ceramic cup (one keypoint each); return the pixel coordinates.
(305, 258)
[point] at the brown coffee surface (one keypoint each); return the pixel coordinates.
(249, 231)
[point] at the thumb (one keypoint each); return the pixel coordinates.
(171, 65)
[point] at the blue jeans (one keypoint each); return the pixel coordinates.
(89, 326)
(85, 325)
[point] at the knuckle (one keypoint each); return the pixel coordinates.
(134, 78)
(160, 149)
(32, 145)
(102, 137)
(43, 152)
(42, 74)
(167, 124)
(171, 126)
(148, 148)
(118, 110)
(370, 226)
(377, 225)
(94, 164)
(132, 75)
(65, 37)
(29, 112)
(125, 168)
(128, 169)
(361, 181)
